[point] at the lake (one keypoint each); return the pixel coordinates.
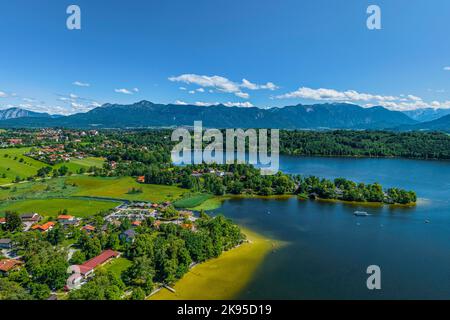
(329, 249)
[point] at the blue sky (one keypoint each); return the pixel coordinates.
(200, 51)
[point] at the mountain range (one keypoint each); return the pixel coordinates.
(14, 113)
(426, 114)
(145, 114)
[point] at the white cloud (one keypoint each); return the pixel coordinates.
(73, 96)
(239, 104)
(136, 89)
(182, 88)
(192, 92)
(81, 84)
(252, 86)
(242, 95)
(334, 95)
(124, 91)
(28, 100)
(3, 94)
(200, 90)
(400, 103)
(222, 84)
(208, 104)
(446, 68)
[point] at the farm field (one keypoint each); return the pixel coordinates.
(119, 188)
(52, 207)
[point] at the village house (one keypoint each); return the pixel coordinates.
(88, 228)
(128, 236)
(44, 227)
(30, 217)
(15, 141)
(81, 272)
(2, 220)
(7, 265)
(66, 220)
(5, 244)
(136, 223)
(141, 179)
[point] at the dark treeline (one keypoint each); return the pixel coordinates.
(366, 144)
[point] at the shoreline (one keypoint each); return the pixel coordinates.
(225, 277)
(217, 201)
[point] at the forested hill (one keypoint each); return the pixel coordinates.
(420, 145)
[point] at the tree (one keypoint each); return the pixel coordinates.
(13, 221)
(91, 247)
(46, 264)
(39, 291)
(78, 257)
(63, 170)
(142, 246)
(10, 290)
(104, 286)
(56, 235)
(140, 274)
(138, 294)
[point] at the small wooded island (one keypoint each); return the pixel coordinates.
(241, 179)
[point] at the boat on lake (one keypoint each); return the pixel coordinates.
(360, 213)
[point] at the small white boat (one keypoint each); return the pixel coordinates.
(360, 213)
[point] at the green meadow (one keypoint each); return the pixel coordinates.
(11, 165)
(118, 265)
(52, 207)
(74, 165)
(119, 188)
(192, 200)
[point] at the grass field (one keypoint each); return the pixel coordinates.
(224, 277)
(210, 204)
(49, 188)
(118, 188)
(117, 266)
(192, 200)
(51, 207)
(11, 166)
(76, 164)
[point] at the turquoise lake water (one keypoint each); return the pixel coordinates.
(329, 249)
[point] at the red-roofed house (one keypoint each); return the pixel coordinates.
(15, 141)
(2, 220)
(141, 179)
(7, 265)
(136, 223)
(80, 272)
(88, 228)
(63, 217)
(44, 227)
